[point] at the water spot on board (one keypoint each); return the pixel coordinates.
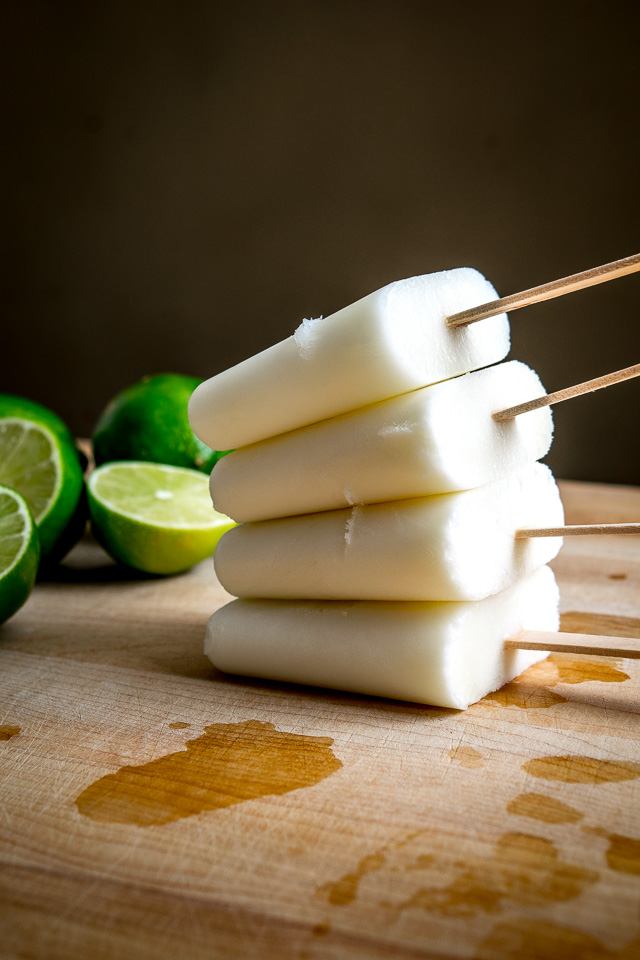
(617, 576)
(343, 891)
(7, 731)
(522, 869)
(577, 769)
(537, 806)
(584, 670)
(525, 695)
(525, 939)
(179, 725)
(623, 854)
(228, 764)
(467, 756)
(532, 689)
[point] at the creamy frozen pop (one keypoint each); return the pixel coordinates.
(390, 342)
(447, 654)
(433, 440)
(455, 546)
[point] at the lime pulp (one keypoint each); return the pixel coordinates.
(154, 517)
(19, 552)
(39, 460)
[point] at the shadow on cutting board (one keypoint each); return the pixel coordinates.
(87, 562)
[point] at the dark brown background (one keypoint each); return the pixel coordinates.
(186, 180)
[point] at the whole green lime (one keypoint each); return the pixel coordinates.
(148, 421)
(38, 458)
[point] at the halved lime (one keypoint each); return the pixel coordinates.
(38, 458)
(154, 517)
(19, 552)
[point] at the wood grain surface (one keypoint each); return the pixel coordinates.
(152, 807)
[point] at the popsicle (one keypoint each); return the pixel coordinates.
(392, 341)
(447, 654)
(455, 546)
(433, 440)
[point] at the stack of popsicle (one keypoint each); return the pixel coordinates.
(379, 501)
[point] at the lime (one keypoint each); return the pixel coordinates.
(148, 421)
(19, 552)
(38, 458)
(154, 517)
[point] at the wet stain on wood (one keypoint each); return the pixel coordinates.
(576, 621)
(617, 576)
(623, 854)
(583, 670)
(523, 869)
(228, 764)
(537, 806)
(7, 731)
(526, 939)
(467, 756)
(344, 890)
(525, 696)
(532, 690)
(179, 725)
(576, 769)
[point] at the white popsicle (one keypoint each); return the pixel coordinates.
(433, 440)
(388, 343)
(447, 654)
(456, 546)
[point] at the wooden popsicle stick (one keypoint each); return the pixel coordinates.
(579, 530)
(576, 643)
(576, 391)
(546, 291)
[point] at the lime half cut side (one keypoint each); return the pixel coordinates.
(154, 517)
(44, 469)
(19, 552)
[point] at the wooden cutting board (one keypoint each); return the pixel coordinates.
(150, 807)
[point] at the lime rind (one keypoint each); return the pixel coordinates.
(13, 406)
(19, 552)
